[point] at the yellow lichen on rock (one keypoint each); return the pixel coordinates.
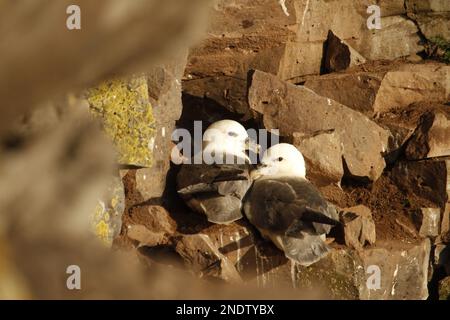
(126, 112)
(107, 215)
(100, 224)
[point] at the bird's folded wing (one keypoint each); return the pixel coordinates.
(270, 203)
(208, 178)
(305, 250)
(283, 207)
(222, 209)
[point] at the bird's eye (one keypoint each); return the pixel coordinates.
(232, 134)
(280, 159)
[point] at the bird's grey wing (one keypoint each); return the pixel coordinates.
(298, 228)
(313, 207)
(220, 209)
(277, 204)
(267, 204)
(333, 215)
(305, 250)
(224, 205)
(194, 179)
(236, 188)
(214, 190)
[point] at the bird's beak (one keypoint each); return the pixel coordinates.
(252, 145)
(258, 171)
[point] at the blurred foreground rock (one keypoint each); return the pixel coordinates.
(70, 60)
(107, 217)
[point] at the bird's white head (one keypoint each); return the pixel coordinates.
(227, 136)
(282, 159)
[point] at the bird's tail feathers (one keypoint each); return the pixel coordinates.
(224, 217)
(197, 188)
(312, 215)
(307, 250)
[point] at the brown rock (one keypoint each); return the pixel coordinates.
(413, 83)
(237, 242)
(397, 38)
(404, 272)
(446, 237)
(434, 25)
(442, 256)
(291, 108)
(431, 138)
(430, 219)
(379, 89)
(239, 40)
(286, 39)
(400, 135)
(228, 92)
(146, 237)
(348, 274)
(164, 86)
(340, 55)
(359, 227)
(321, 16)
(343, 274)
(153, 217)
(445, 225)
(148, 183)
(425, 181)
(323, 155)
(427, 5)
(202, 256)
(355, 90)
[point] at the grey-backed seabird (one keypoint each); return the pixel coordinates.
(286, 208)
(216, 186)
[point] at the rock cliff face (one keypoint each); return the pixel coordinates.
(368, 108)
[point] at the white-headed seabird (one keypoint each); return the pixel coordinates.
(286, 208)
(217, 188)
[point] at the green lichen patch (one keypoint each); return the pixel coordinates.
(124, 107)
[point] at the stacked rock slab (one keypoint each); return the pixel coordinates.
(286, 38)
(432, 17)
(323, 155)
(387, 88)
(431, 137)
(291, 108)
